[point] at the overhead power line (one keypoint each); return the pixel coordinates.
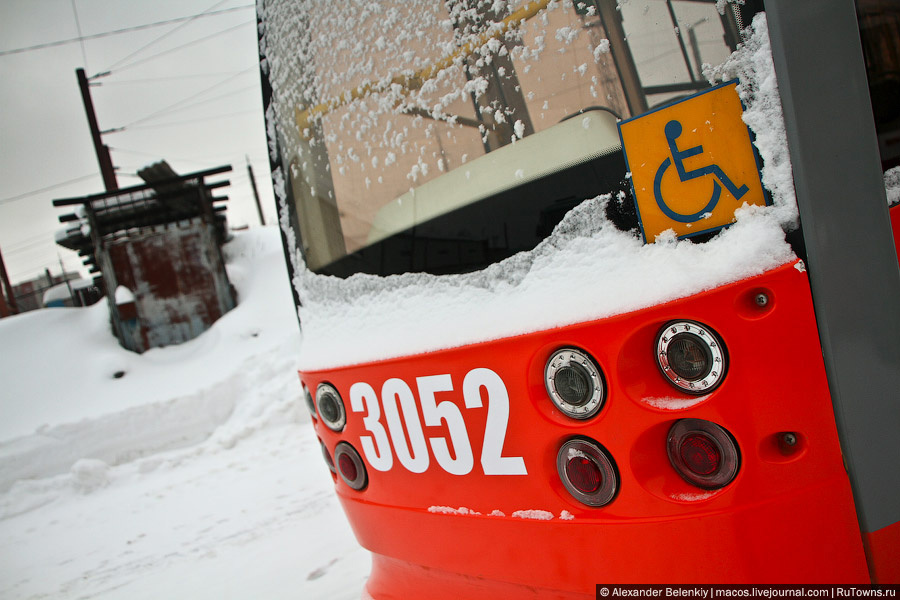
(78, 29)
(158, 39)
(40, 238)
(44, 242)
(193, 105)
(176, 48)
(47, 189)
(95, 36)
(193, 121)
(155, 80)
(169, 109)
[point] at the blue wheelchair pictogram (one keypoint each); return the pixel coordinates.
(673, 131)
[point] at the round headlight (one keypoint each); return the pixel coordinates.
(574, 383)
(691, 356)
(331, 407)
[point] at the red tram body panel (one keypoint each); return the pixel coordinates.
(691, 441)
(767, 525)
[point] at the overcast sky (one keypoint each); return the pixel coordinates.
(187, 92)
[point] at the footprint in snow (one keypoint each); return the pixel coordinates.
(321, 571)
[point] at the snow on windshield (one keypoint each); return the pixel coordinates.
(586, 269)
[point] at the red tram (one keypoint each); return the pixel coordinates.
(558, 329)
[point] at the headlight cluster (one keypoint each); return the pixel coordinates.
(693, 358)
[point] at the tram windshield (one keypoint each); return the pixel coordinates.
(443, 136)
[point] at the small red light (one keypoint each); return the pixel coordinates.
(700, 454)
(587, 472)
(584, 474)
(348, 467)
(703, 453)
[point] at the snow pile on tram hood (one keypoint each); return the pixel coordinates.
(752, 65)
(892, 186)
(571, 277)
(587, 269)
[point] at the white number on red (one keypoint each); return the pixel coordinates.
(376, 446)
(408, 438)
(492, 460)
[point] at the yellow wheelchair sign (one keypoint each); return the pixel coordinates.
(692, 164)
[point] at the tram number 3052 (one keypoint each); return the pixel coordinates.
(397, 401)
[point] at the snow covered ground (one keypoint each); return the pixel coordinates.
(194, 474)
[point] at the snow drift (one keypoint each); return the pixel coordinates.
(193, 474)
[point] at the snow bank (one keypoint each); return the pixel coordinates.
(72, 391)
(193, 475)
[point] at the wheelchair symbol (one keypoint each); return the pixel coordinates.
(673, 131)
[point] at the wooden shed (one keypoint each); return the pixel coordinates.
(157, 249)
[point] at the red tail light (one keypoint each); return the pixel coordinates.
(584, 474)
(587, 472)
(703, 453)
(349, 471)
(700, 455)
(350, 466)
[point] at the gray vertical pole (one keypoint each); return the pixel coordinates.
(62, 270)
(621, 52)
(4, 309)
(262, 219)
(10, 293)
(853, 267)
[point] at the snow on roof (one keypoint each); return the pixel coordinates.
(59, 291)
(82, 283)
(124, 295)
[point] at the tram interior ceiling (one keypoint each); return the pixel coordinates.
(155, 250)
(485, 232)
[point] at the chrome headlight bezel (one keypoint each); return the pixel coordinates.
(330, 407)
(574, 363)
(704, 339)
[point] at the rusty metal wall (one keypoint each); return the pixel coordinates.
(178, 281)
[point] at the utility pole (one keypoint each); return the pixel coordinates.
(10, 295)
(262, 219)
(106, 166)
(62, 269)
